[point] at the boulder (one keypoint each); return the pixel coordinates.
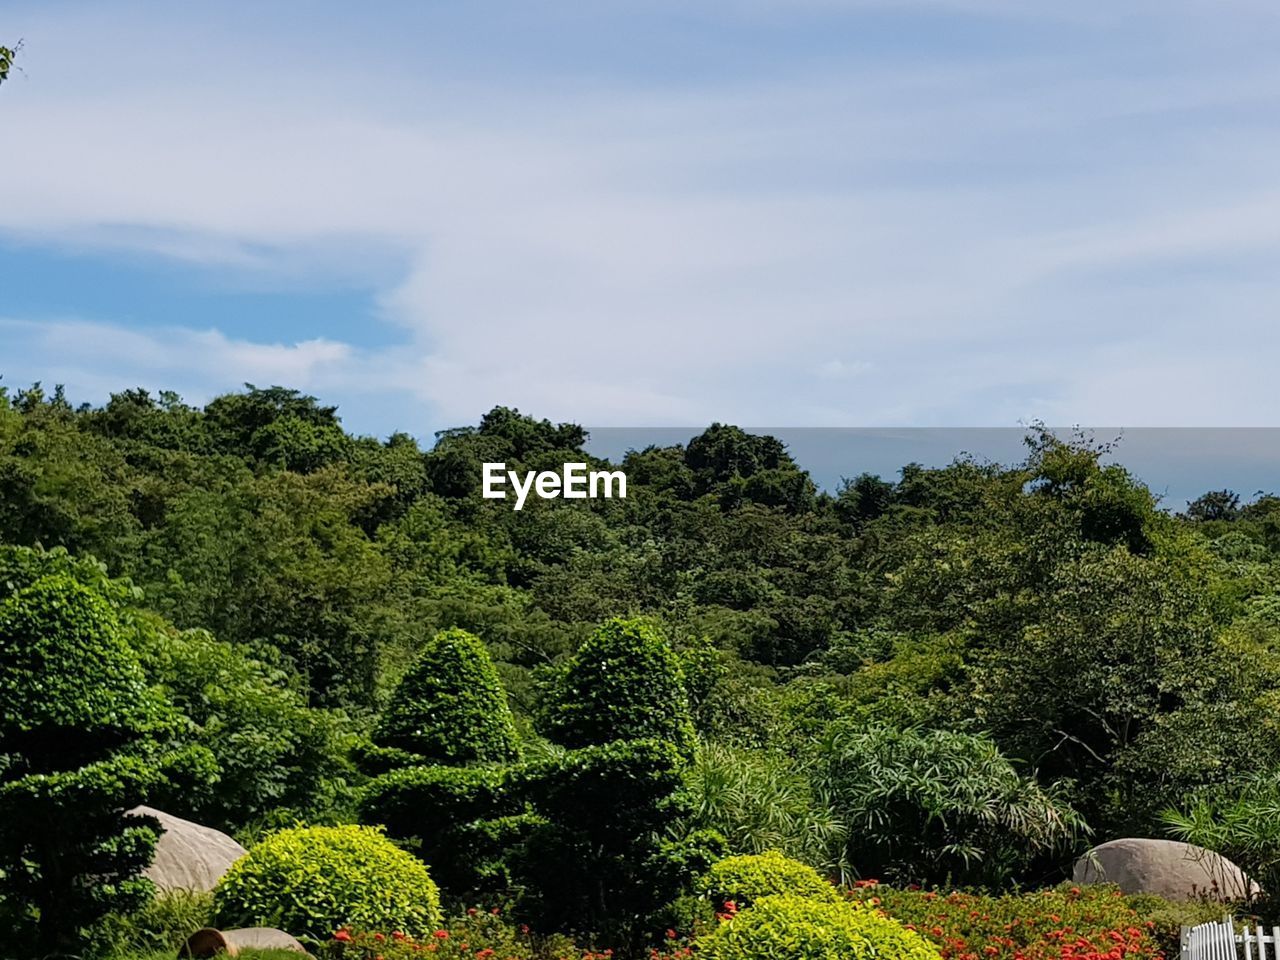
(189, 856)
(210, 942)
(1173, 870)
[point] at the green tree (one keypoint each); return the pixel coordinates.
(7, 56)
(277, 760)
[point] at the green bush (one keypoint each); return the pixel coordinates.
(450, 707)
(798, 928)
(745, 879)
(278, 759)
(937, 806)
(624, 683)
(762, 800)
(312, 880)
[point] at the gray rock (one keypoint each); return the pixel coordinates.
(262, 938)
(210, 942)
(189, 856)
(1173, 870)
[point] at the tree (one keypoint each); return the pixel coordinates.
(75, 718)
(1214, 505)
(277, 760)
(7, 56)
(440, 751)
(600, 861)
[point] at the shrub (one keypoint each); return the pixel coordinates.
(311, 881)
(277, 759)
(797, 928)
(1070, 923)
(743, 880)
(624, 683)
(937, 806)
(1166, 918)
(450, 707)
(76, 718)
(416, 801)
(761, 800)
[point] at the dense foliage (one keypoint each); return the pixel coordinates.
(963, 674)
(313, 880)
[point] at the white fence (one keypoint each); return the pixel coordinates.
(1220, 940)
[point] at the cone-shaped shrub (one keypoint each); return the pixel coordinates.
(450, 708)
(623, 684)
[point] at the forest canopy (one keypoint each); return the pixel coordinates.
(964, 675)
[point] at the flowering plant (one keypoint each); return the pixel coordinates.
(1074, 923)
(478, 935)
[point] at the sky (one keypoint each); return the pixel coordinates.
(803, 213)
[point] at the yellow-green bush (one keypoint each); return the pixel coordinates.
(745, 879)
(799, 928)
(312, 880)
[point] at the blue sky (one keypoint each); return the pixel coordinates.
(788, 212)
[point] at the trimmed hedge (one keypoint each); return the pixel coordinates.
(72, 684)
(311, 881)
(416, 801)
(624, 683)
(744, 879)
(450, 708)
(799, 928)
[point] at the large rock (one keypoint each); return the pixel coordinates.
(189, 856)
(1173, 870)
(210, 942)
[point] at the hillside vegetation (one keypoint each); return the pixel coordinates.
(961, 676)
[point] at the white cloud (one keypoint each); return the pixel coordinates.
(104, 358)
(894, 242)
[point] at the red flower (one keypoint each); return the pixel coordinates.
(441, 934)
(671, 934)
(342, 936)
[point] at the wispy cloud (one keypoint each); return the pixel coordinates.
(977, 223)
